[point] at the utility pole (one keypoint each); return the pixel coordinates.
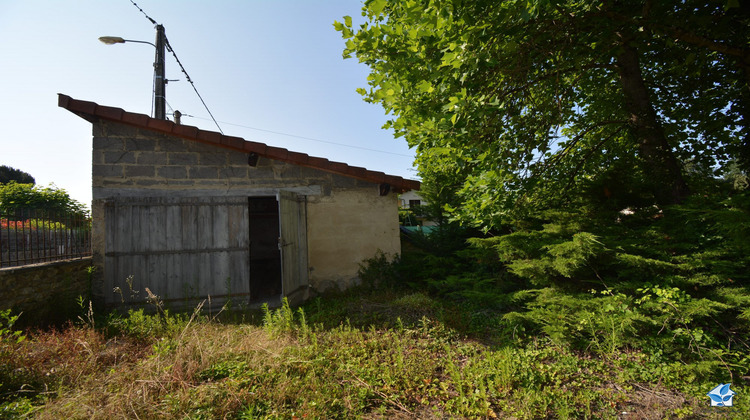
(160, 81)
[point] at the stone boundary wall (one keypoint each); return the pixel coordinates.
(46, 293)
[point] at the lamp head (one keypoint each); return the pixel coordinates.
(110, 40)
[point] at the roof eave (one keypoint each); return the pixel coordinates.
(93, 112)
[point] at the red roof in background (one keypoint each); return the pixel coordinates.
(92, 112)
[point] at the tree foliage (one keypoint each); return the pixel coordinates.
(22, 199)
(520, 104)
(8, 174)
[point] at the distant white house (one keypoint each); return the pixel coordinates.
(411, 199)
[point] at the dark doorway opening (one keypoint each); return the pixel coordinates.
(265, 257)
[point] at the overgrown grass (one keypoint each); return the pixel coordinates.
(378, 354)
(572, 315)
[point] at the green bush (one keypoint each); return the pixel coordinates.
(27, 198)
(379, 271)
(143, 326)
(672, 281)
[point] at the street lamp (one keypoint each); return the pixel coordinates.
(160, 82)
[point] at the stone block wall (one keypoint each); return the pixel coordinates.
(126, 158)
(47, 292)
(347, 219)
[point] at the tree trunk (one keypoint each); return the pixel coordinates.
(662, 166)
(744, 104)
(742, 14)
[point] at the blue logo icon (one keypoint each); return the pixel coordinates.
(721, 396)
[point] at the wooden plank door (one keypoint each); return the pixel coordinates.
(293, 246)
(181, 249)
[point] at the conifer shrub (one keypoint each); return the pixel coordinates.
(671, 281)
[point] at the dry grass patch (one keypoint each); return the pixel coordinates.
(167, 380)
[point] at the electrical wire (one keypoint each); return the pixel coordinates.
(169, 47)
(303, 137)
(187, 76)
(169, 107)
(144, 13)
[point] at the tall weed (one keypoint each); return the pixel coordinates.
(7, 321)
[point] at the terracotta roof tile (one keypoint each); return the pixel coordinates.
(379, 177)
(390, 179)
(297, 158)
(138, 120)
(87, 107)
(63, 100)
(317, 162)
(338, 167)
(209, 137)
(356, 172)
(233, 142)
(277, 153)
(185, 131)
(163, 126)
(90, 111)
(109, 112)
(255, 147)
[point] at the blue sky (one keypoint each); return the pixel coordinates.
(258, 64)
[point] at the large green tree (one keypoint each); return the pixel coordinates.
(28, 200)
(527, 101)
(8, 174)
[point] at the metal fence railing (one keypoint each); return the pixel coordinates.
(31, 237)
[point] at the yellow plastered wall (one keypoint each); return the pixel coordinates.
(345, 228)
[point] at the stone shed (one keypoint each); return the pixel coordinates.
(189, 213)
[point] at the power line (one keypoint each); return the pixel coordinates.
(144, 13)
(153, 84)
(303, 137)
(187, 76)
